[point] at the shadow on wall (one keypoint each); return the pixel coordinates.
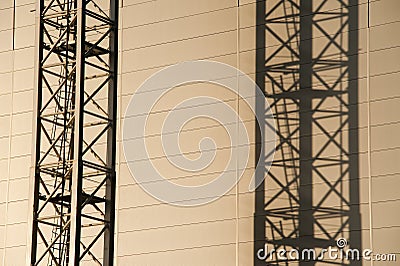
(307, 66)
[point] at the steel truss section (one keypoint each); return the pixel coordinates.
(307, 66)
(74, 163)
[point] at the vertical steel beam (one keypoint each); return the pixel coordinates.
(259, 208)
(37, 126)
(111, 137)
(77, 171)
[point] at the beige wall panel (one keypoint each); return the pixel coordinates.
(386, 240)
(6, 104)
(21, 145)
(178, 29)
(3, 191)
(18, 189)
(247, 16)
(25, 37)
(3, 169)
(125, 4)
(166, 54)
(134, 196)
(16, 235)
(385, 162)
(385, 111)
(23, 101)
(24, 16)
(23, 80)
(384, 11)
(2, 210)
(17, 212)
(6, 4)
(384, 61)
(131, 80)
(219, 133)
(158, 159)
(177, 237)
(247, 39)
(24, 2)
(381, 136)
(124, 176)
(7, 61)
(169, 171)
(385, 214)
(21, 58)
(15, 256)
(246, 253)
(177, 95)
(5, 126)
(139, 218)
(160, 111)
(6, 82)
(213, 255)
(6, 39)
(189, 143)
(246, 232)
(6, 20)
(2, 251)
(21, 123)
(154, 11)
(4, 148)
(385, 36)
(385, 188)
(20, 167)
(2, 237)
(385, 86)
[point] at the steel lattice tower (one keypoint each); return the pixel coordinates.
(74, 160)
(307, 66)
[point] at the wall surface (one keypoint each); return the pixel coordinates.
(158, 33)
